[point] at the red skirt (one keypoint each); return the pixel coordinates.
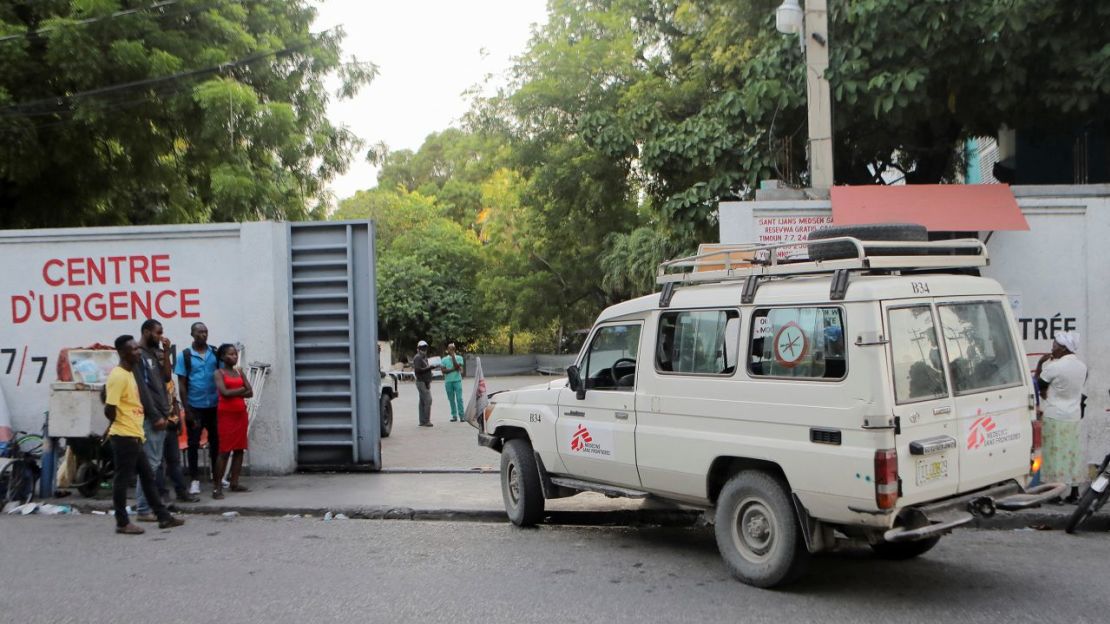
(231, 421)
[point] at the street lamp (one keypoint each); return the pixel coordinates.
(812, 27)
(789, 18)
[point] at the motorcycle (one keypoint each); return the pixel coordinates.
(1093, 499)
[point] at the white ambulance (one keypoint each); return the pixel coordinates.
(873, 390)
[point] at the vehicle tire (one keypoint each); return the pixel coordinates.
(387, 415)
(899, 232)
(520, 484)
(1086, 507)
(757, 531)
(900, 551)
(87, 479)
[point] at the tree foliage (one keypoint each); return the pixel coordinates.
(203, 110)
(426, 270)
(625, 122)
(693, 101)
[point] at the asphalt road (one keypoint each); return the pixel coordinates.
(74, 569)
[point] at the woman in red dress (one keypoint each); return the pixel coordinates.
(231, 417)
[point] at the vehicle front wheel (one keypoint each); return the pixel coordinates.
(900, 551)
(387, 415)
(757, 532)
(520, 484)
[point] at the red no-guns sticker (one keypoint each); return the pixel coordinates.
(791, 345)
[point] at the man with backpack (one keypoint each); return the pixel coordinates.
(196, 370)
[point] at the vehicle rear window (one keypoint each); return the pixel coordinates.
(918, 367)
(798, 343)
(980, 346)
(698, 342)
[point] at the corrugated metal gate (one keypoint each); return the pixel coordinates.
(336, 386)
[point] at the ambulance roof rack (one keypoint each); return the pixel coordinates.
(762, 262)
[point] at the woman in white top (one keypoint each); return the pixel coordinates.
(1061, 377)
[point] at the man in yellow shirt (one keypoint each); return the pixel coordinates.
(124, 409)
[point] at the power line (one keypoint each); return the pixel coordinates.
(60, 104)
(124, 13)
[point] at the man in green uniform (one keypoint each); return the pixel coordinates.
(453, 366)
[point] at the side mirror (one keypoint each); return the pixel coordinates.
(574, 379)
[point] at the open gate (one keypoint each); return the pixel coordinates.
(336, 385)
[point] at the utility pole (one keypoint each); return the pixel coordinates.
(817, 94)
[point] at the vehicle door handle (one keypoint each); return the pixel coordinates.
(942, 410)
(621, 415)
(574, 413)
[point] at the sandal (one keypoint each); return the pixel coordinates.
(239, 488)
(218, 494)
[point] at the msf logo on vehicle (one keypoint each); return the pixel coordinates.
(580, 439)
(980, 429)
(597, 444)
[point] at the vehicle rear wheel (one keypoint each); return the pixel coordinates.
(387, 415)
(899, 551)
(757, 532)
(520, 484)
(1088, 504)
(898, 232)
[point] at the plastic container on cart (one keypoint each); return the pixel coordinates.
(76, 410)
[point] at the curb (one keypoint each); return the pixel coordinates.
(1055, 520)
(631, 517)
(1003, 521)
(440, 471)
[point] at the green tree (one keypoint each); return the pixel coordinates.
(450, 165)
(694, 101)
(426, 285)
(394, 211)
(201, 110)
(427, 270)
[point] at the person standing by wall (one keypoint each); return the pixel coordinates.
(234, 388)
(195, 370)
(124, 409)
(157, 409)
(454, 367)
(423, 371)
(1061, 376)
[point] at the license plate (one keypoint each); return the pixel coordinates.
(929, 470)
(1100, 483)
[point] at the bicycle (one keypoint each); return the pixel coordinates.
(1093, 499)
(19, 476)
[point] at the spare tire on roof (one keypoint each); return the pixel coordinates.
(896, 232)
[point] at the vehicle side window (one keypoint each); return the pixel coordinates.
(980, 346)
(699, 342)
(918, 369)
(799, 343)
(610, 362)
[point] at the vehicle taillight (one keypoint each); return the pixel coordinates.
(1035, 453)
(886, 478)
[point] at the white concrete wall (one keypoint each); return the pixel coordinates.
(232, 277)
(1056, 274)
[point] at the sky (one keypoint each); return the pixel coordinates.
(428, 53)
